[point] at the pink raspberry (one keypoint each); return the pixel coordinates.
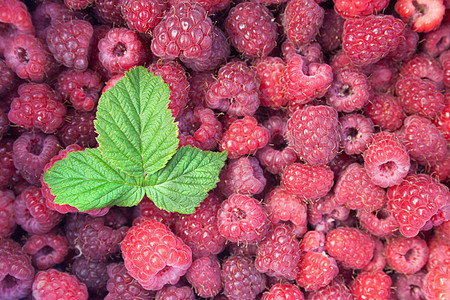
(70, 43)
(313, 241)
(368, 284)
(47, 250)
(307, 181)
(279, 253)
(380, 223)
(174, 75)
(143, 15)
(350, 246)
(283, 291)
(436, 41)
(368, 39)
(146, 209)
(15, 19)
(439, 253)
(436, 283)
(349, 91)
(245, 136)
(422, 65)
(7, 222)
(39, 106)
(378, 261)
(251, 28)
(337, 289)
(235, 90)
(385, 111)
(422, 15)
(122, 285)
(302, 20)
(316, 270)
(242, 218)
(409, 286)
(269, 72)
(406, 255)
(313, 132)
(304, 83)
(204, 276)
(78, 129)
(354, 9)
(151, 241)
(356, 133)
(53, 283)
(386, 160)
(330, 34)
(416, 193)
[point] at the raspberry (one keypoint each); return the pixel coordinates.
(382, 77)
(7, 169)
(311, 53)
(81, 88)
(442, 232)
(29, 57)
(340, 162)
(143, 15)
(378, 261)
(368, 39)
(409, 286)
(369, 285)
(307, 181)
(241, 218)
(16, 273)
(31, 152)
(211, 6)
(32, 214)
(269, 72)
(174, 75)
(283, 291)
(185, 32)
(14, 19)
(406, 47)
(199, 231)
(416, 193)
(109, 12)
(78, 129)
(323, 213)
(60, 285)
(330, 34)
(278, 254)
(121, 285)
(316, 270)
(406, 255)
(39, 106)
(419, 96)
(240, 278)
(243, 176)
(70, 43)
(154, 256)
(171, 292)
(313, 132)
(385, 111)
(235, 90)
(8, 79)
(313, 241)
(439, 253)
(199, 83)
(302, 21)
(337, 289)
(424, 142)
(423, 66)
(355, 189)
(437, 41)
(356, 133)
(386, 160)
(442, 121)
(303, 83)
(354, 9)
(7, 222)
(204, 276)
(422, 15)
(436, 283)
(199, 128)
(47, 250)
(251, 28)
(146, 209)
(350, 246)
(349, 91)
(380, 223)
(90, 272)
(245, 136)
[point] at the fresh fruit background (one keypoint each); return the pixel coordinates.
(335, 115)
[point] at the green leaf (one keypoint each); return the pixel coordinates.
(136, 129)
(86, 180)
(184, 183)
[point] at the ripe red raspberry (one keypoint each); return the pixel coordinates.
(108, 12)
(313, 241)
(39, 106)
(310, 182)
(7, 222)
(422, 65)
(316, 270)
(416, 193)
(313, 132)
(354, 9)
(386, 160)
(60, 285)
(120, 50)
(31, 152)
(406, 255)
(70, 43)
(349, 91)
(81, 88)
(380, 223)
(368, 285)
(47, 250)
(78, 129)
(408, 286)
(245, 136)
(235, 90)
(146, 209)
(283, 291)
(143, 15)
(356, 133)
(302, 20)
(154, 256)
(174, 75)
(350, 246)
(204, 276)
(435, 42)
(29, 57)
(385, 111)
(240, 278)
(424, 142)
(330, 34)
(15, 19)
(251, 29)
(121, 285)
(269, 72)
(436, 284)
(337, 289)
(439, 253)
(90, 272)
(368, 39)
(185, 32)
(422, 15)
(242, 218)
